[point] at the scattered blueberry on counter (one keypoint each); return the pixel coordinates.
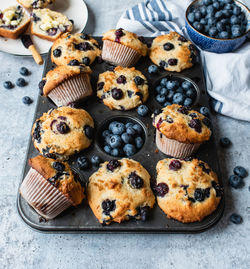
(27, 100)
(205, 111)
(236, 219)
(218, 19)
(24, 71)
(225, 142)
(96, 160)
(21, 82)
(153, 69)
(83, 163)
(142, 110)
(240, 171)
(122, 139)
(235, 181)
(175, 91)
(8, 85)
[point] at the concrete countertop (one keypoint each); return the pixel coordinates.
(224, 246)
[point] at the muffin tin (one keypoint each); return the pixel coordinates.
(81, 219)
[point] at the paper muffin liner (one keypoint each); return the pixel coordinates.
(71, 90)
(119, 54)
(173, 147)
(46, 199)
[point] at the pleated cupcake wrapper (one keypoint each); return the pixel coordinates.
(174, 148)
(71, 90)
(46, 199)
(119, 54)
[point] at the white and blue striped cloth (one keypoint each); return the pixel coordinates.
(227, 75)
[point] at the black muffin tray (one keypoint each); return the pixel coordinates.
(81, 219)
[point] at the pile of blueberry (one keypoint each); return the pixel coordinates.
(122, 139)
(221, 19)
(172, 91)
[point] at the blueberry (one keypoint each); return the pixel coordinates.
(138, 80)
(8, 85)
(210, 10)
(212, 31)
(236, 32)
(191, 93)
(203, 10)
(58, 166)
(137, 127)
(117, 94)
(170, 95)
(198, 26)
(21, 82)
(62, 127)
(220, 26)
(199, 195)
(83, 163)
(121, 79)
(142, 110)
(158, 88)
(236, 10)
(115, 152)
(234, 19)
(218, 14)
(135, 181)
(164, 91)
(27, 100)
(203, 21)
(240, 171)
(129, 150)
(74, 62)
(89, 131)
(152, 69)
(131, 131)
(163, 64)
(197, 15)
(118, 128)
(57, 53)
(180, 90)
(161, 189)
(175, 165)
(107, 149)
(129, 124)
(216, 5)
(105, 133)
(225, 142)
(108, 206)
(186, 85)
(196, 125)
(164, 81)
(207, 2)
(127, 138)
(139, 142)
(188, 101)
(168, 46)
(205, 111)
(86, 61)
(224, 35)
(191, 17)
(235, 181)
(115, 141)
(178, 98)
(160, 98)
(24, 71)
(167, 104)
(236, 219)
(172, 84)
(211, 21)
(172, 61)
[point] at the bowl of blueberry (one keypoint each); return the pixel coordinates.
(218, 25)
(121, 136)
(176, 89)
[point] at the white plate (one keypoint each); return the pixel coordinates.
(75, 10)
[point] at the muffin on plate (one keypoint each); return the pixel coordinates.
(48, 24)
(62, 132)
(120, 190)
(66, 84)
(122, 89)
(180, 131)
(186, 190)
(173, 52)
(35, 3)
(13, 22)
(50, 187)
(123, 48)
(75, 49)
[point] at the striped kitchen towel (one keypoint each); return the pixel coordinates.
(227, 75)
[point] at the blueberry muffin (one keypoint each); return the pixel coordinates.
(120, 190)
(186, 190)
(62, 132)
(48, 24)
(173, 52)
(123, 48)
(180, 131)
(35, 3)
(122, 89)
(66, 84)
(13, 22)
(72, 50)
(51, 186)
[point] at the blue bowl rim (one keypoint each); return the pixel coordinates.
(218, 39)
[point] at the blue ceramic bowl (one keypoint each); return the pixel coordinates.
(214, 44)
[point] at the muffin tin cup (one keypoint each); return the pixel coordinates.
(71, 90)
(46, 199)
(173, 147)
(119, 54)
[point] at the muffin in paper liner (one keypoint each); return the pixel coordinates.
(119, 54)
(71, 90)
(46, 199)
(173, 147)
(67, 84)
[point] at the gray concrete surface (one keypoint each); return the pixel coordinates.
(224, 246)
